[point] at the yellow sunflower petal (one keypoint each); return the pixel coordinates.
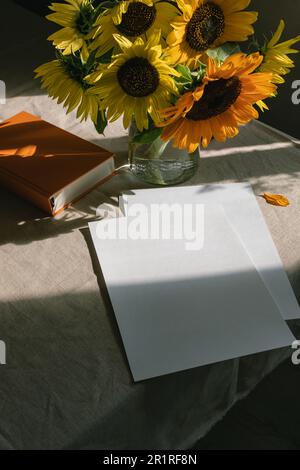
(71, 38)
(142, 85)
(277, 35)
(60, 84)
(189, 39)
(276, 199)
(196, 118)
(276, 55)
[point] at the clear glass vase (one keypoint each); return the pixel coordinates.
(159, 162)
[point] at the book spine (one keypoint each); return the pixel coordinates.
(19, 187)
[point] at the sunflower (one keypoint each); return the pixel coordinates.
(122, 7)
(77, 18)
(218, 106)
(276, 55)
(137, 82)
(207, 24)
(64, 81)
(132, 19)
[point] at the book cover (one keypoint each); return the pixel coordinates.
(47, 165)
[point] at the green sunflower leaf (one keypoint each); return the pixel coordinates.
(223, 52)
(102, 5)
(101, 123)
(199, 73)
(147, 136)
(91, 62)
(184, 72)
(106, 58)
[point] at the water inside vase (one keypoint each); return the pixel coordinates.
(162, 164)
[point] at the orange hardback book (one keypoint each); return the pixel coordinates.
(47, 165)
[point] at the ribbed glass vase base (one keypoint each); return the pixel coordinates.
(158, 162)
(164, 172)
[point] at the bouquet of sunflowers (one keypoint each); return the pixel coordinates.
(175, 67)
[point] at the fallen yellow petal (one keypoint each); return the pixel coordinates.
(276, 199)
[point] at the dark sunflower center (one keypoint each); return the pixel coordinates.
(138, 78)
(205, 27)
(137, 20)
(217, 98)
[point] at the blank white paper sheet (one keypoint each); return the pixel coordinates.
(244, 215)
(179, 309)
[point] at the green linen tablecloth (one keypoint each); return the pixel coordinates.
(67, 383)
